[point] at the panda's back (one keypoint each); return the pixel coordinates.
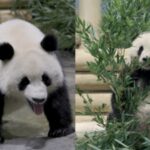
(21, 34)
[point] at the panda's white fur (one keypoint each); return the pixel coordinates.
(132, 52)
(29, 60)
(30, 70)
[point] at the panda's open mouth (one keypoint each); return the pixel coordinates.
(146, 67)
(36, 107)
(146, 64)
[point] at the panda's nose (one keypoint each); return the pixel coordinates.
(145, 59)
(37, 100)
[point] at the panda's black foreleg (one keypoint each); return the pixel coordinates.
(118, 110)
(1, 115)
(58, 112)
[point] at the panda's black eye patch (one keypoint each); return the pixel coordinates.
(23, 83)
(140, 50)
(45, 78)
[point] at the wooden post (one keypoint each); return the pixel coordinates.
(89, 10)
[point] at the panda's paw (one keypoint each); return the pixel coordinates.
(61, 132)
(1, 140)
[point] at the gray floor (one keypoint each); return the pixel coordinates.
(26, 131)
(65, 143)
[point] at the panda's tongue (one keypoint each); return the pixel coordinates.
(37, 108)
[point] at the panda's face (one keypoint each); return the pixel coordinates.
(35, 91)
(37, 80)
(144, 57)
(33, 72)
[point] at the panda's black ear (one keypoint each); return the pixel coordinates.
(49, 43)
(6, 51)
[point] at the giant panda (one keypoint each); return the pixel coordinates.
(140, 50)
(30, 68)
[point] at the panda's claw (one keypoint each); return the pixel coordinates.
(61, 132)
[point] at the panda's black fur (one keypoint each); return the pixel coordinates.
(139, 78)
(29, 65)
(61, 121)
